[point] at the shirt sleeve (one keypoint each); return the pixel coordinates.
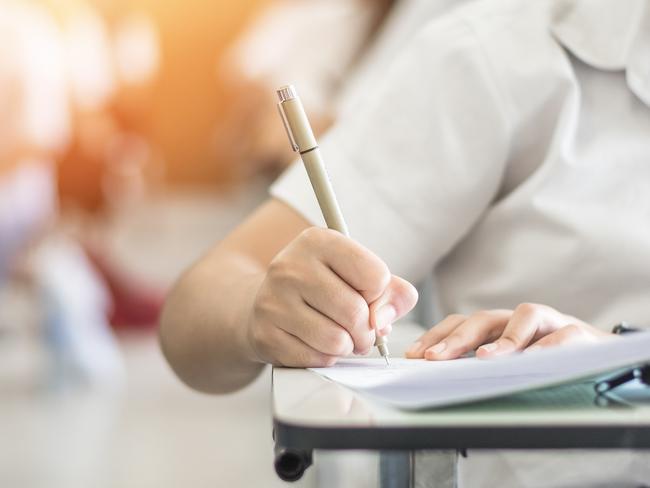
(285, 43)
(423, 156)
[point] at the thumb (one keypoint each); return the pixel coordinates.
(398, 299)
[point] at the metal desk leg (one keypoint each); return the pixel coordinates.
(395, 469)
(435, 469)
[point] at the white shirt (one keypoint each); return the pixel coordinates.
(507, 150)
(285, 45)
(404, 18)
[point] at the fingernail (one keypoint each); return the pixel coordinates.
(384, 315)
(489, 347)
(415, 347)
(438, 348)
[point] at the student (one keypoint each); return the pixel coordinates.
(507, 151)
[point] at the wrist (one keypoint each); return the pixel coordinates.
(246, 320)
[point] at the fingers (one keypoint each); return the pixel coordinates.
(458, 335)
(285, 349)
(497, 332)
(363, 279)
(360, 268)
(320, 332)
(331, 296)
(434, 335)
(570, 334)
(478, 329)
(528, 322)
(398, 299)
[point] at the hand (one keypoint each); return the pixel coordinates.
(496, 332)
(323, 297)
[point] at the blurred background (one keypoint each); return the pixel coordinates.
(133, 136)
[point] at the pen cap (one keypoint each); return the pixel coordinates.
(295, 120)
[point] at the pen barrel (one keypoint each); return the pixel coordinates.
(322, 186)
(382, 343)
(302, 140)
(299, 127)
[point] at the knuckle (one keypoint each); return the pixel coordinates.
(481, 316)
(264, 302)
(305, 358)
(462, 335)
(309, 233)
(283, 271)
(319, 360)
(373, 271)
(329, 361)
(276, 267)
(573, 329)
(460, 340)
(513, 337)
(340, 343)
(528, 308)
(315, 236)
(357, 313)
(431, 337)
(384, 276)
(362, 339)
(455, 317)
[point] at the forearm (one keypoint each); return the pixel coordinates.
(203, 330)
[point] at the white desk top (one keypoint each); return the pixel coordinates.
(303, 398)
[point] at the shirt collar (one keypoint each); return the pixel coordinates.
(609, 35)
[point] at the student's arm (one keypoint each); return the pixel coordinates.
(497, 332)
(277, 291)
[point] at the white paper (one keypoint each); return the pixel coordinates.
(416, 384)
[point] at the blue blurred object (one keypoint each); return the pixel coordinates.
(83, 349)
(27, 202)
(73, 296)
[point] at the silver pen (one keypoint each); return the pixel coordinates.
(302, 140)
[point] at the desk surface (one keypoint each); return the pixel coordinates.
(311, 412)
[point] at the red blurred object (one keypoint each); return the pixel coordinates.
(136, 305)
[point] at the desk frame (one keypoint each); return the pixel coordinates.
(298, 431)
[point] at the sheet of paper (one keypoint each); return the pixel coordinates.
(367, 372)
(416, 384)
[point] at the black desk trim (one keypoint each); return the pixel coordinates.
(293, 436)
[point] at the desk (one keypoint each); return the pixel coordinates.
(310, 412)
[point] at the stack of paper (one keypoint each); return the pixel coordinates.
(417, 384)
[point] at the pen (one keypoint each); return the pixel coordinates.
(302, 140)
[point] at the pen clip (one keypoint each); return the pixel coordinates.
(285, 122)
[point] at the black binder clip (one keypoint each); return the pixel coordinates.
(641, 373)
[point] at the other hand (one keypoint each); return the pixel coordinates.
(496, 332)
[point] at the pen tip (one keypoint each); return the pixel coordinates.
(387, 361)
